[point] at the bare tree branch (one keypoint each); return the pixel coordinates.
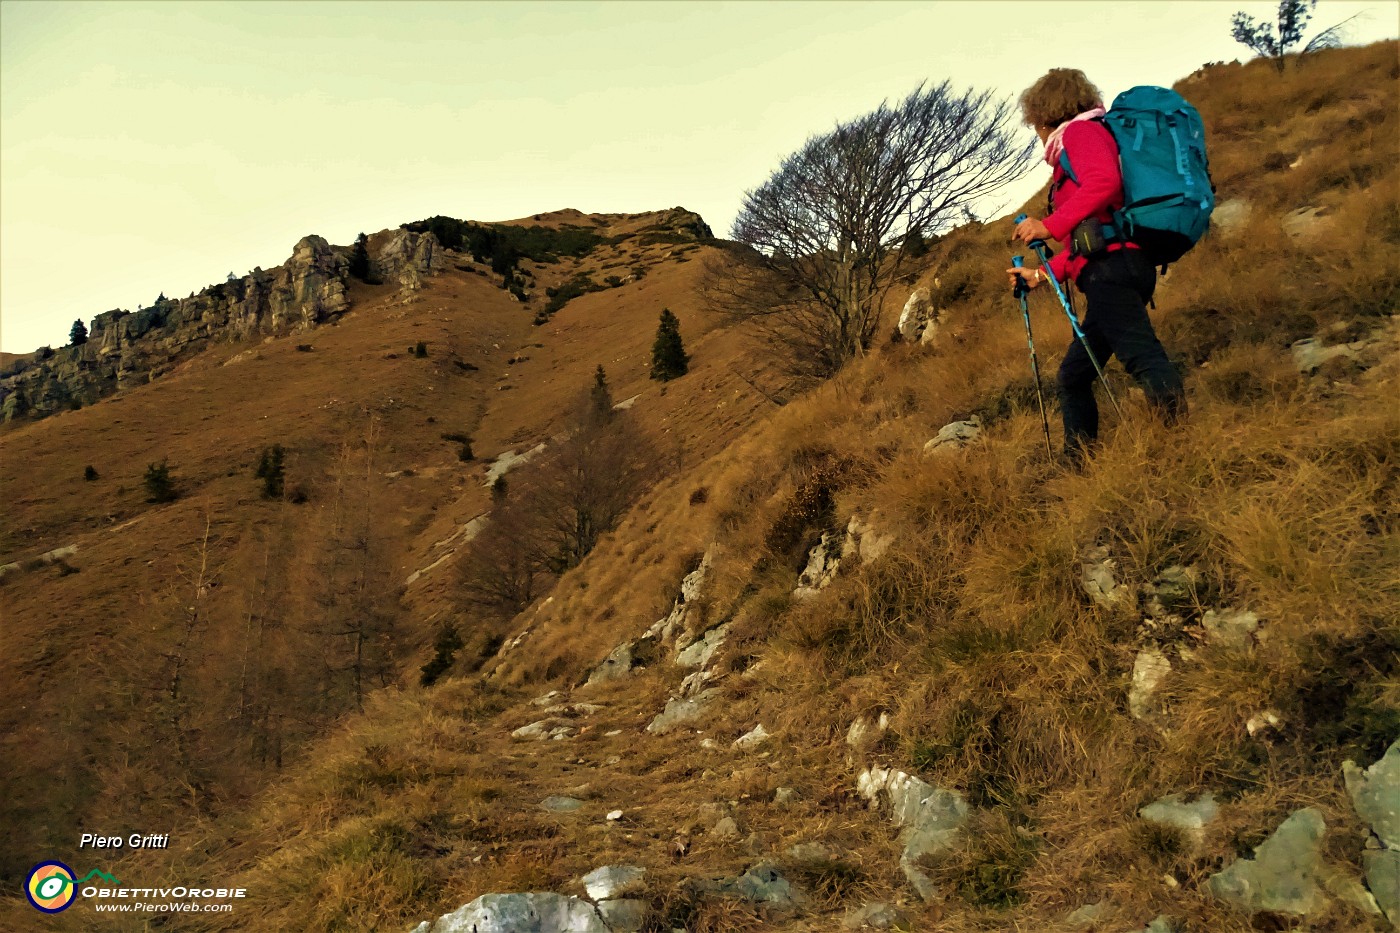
(824, 233)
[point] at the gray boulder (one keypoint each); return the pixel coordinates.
(682, 710)
(1283, 875)
(537, 912)
(612, 881)
(1375, 793)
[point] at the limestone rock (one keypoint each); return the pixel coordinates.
(680, 711)
(1150, 669)
(919, 321)
(753, 738)
(536, 912)
(1229, 217)
(126, 348)
(762, 884)
(1383, 878)
(822, 564)
(1160, 924)
(955, 436)
(1191, 818)
(611, 881)
(1097, 577)
(931, 817)
(1282, 877)
(700, 651)
(864, 539)
(877, 915)
(726, 828)
(560, 804)
(1309, 354)
(407, 258)
(1233, 628)
(674, 626)
(538, 730)
(1375, 793)
(624, 916)
(624, 659)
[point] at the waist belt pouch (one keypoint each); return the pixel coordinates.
(1088, 239)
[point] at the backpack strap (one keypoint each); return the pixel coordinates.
(1064, 164)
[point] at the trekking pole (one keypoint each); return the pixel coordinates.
(1040, 250)
(1019, 292)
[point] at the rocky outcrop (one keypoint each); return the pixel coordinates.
(1375, 793)
(919, 321)
(931, 817)
(129, 348)
(406, 259)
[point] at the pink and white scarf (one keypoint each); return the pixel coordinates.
(1053, 145)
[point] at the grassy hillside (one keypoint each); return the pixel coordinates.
(120, 644)
(972, 632)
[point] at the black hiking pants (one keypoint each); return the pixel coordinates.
(1117, 287)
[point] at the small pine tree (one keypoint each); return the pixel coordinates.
(445, 649)
(420, 350)
(915, 246)
(89, 473)
(668, 357)
(499, 489)
(79, 334)
(359, 258)
(159, 486)
(600, 403)
(271, 471)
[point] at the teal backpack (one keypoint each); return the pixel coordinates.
(1167, 192)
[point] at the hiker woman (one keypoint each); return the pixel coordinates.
(1115, 277)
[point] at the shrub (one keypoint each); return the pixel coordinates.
(89, 473)
(160, 487)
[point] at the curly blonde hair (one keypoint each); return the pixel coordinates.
(1061, 95)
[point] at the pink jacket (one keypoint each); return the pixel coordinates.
(1099, 192)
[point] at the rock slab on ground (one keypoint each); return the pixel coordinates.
(1282, 877)
(535, 912)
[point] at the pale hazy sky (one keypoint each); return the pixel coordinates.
(156, 147)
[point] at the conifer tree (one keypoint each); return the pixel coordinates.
(600, 403)
(359, 258)
(668, 357)
(79, 334)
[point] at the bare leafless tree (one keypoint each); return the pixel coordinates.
(824, 232)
